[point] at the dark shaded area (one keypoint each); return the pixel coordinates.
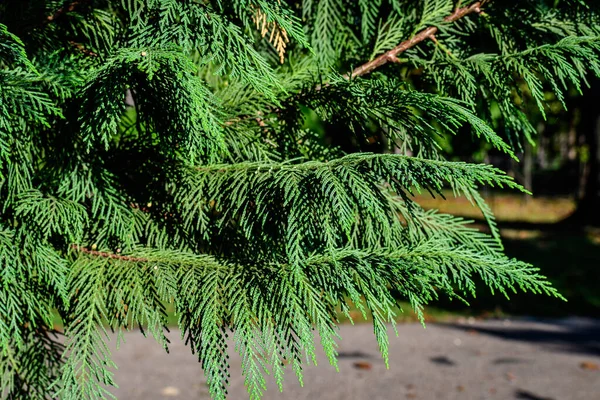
(568, 256)
(508, 360)
(587, 210)
(354, 354)
(571, 338)
(523, 394)
(571, 262)
(442, 360)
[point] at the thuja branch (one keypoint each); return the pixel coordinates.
(392, 55)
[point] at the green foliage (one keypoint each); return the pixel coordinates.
(157, 151)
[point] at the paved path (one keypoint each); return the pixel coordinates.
(466, 360)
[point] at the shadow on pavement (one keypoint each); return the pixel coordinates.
(525, 395)
(442, 360)
(353, 354)
(558, 336)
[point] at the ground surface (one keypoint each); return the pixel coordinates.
(468, 359)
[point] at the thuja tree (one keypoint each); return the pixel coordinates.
(158, 152)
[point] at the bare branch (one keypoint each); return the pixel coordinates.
(392, 55)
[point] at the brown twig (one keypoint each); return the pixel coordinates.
(63, 10)
(107, 255)
(392, 55)
(82, 49)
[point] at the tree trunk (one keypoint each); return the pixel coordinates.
(588, 207)
(528, 169)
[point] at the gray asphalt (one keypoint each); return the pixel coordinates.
(468, 359)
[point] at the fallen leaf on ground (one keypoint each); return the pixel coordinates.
(460, 388)
(170, 391)
(362, 365)
(591, 366)
(510, 376)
